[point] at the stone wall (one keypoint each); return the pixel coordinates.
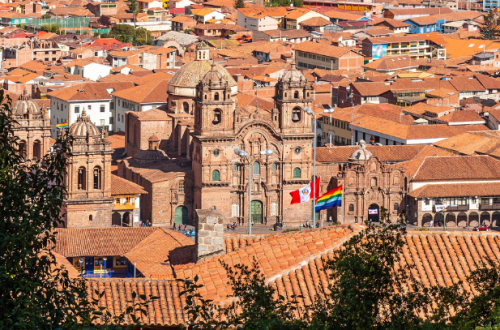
(209, 240)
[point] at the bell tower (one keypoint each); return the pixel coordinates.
(215, 105)
(88, 202)
(293, 93)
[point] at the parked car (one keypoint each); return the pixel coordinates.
(481, 228)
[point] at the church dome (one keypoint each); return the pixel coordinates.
(293, 75)
(213, 76)
(190, 74)
(83, 126)
(25, 105)
(361, 154)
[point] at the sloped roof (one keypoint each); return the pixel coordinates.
(121, 186)
(464, 168)
(341, 154)
(113, 241)
(316, 21)
(322, 49)
(155, 255)
(439, 259)
(89, 91)
(154, 92)
(456, 190)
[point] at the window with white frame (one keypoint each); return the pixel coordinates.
(235, 210)
(274, 209)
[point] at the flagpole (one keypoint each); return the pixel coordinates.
(343, 205)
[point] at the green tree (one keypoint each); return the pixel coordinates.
(46, 16)
(240, 4)
(297, 3)
(142, 37)
(490, 30)
(122, 32)
(134, 9)
(36, 293)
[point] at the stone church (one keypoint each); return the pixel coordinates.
(193, 164)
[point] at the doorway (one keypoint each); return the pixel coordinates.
(374, 213)
(181, 215)
(257, 211)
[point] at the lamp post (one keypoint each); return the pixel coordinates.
(249, 158)
(310, 112)
(81, 266)
(330, 111)
(104, 265)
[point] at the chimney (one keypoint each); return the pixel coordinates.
(209, 240)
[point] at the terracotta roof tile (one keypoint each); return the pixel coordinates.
(321, 49)
(315, 21)
(77, 242)
(341, 154)
(153, 92)
(121, 186)
(464, 168)
(456, 190)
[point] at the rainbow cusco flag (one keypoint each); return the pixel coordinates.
(330, 199)
(62, 125)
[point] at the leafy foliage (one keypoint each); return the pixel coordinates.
(490, 29)
(50, 28)
(240, 4)
(133, 6)
(46, 16)
(129, 34)
(371, 287)
(36, 292)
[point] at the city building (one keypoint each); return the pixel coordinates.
(311, 55)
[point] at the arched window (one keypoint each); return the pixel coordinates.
(351, 207)
(256, 168)
(275, 166)
(37, 150)
(97, 177)
(396, 207)
(235, 167)
(82, 178)
(296, 95)
(296, 173)
(217, 117)
(216, 96)
(216, 175)
(296, 114)
(181, 186)
(22, 149)
(185, 105)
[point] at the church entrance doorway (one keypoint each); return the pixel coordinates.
(373, 213)
(181, 215)
(257, 211)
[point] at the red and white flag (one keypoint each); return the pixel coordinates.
(305, 193)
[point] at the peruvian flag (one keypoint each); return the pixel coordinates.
(305, 193)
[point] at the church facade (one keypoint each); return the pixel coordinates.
(212, 127)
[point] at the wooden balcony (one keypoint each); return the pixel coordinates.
(457, 208)
(495, 206)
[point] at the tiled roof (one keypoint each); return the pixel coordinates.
(77, 242)
(481, 142)
(343, 16)
(387, 63)
(276, 255)
(456, 190)
(183, 19)
(464, 83)
(371, 88)
(89, 91)
(167, 310)
(293, 264)
(456, 48)
(392, 22)
(289, 34)
(321, 49)
(340, 154)
(155, 255)
(463, 117)
(464, 168)
(121, 186)
(392, 39)
(316, 21)
(154, 92)
(421, 11)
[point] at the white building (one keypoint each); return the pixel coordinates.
(95, 98)
(259, 21)
(89, 70)
(141, 98)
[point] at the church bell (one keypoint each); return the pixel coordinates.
(295, 116)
